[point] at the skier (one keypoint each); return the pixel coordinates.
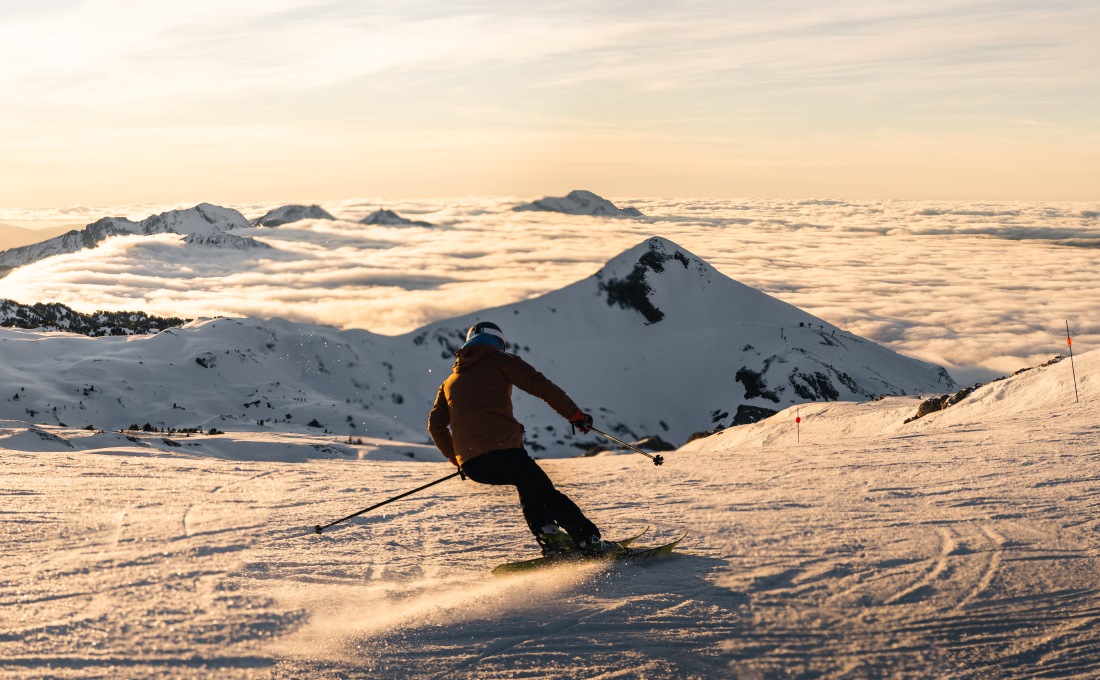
(473, 426)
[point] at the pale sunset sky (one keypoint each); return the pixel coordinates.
(122, 101)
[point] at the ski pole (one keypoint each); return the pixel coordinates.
(657, 460)
(1069, 341)
(320, 528)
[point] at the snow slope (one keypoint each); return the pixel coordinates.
(223, 373)
(960, 545)
(1039, 390)
(656, 343)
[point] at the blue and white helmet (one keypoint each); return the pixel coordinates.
(485, 332)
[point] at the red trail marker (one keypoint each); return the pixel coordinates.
(1069, 341)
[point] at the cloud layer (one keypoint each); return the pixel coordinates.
(980, 288)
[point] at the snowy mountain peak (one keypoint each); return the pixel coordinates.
(291, 213)
(657, 279)
(206, 223)
(391, 219)
(628, 280)
(579, 202)
(202, 220)
(662, 343)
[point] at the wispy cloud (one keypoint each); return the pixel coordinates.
(210, 93)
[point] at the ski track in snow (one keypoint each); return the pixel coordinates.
(955, 547)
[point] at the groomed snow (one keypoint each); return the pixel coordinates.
(959, 545)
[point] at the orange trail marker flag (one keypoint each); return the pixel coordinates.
(1069, 341)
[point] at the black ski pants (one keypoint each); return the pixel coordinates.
(542, 503)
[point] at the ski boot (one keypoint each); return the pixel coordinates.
(554, 541)
(593, 546)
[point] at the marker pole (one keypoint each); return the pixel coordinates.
(797, 426)
(1069, 341)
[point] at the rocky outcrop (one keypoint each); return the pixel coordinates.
(751, 414)
(55, 316)
(939, 403)
(223, 240)
(632, 291)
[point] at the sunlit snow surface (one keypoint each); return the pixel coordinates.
(962, 544)
(980, 288)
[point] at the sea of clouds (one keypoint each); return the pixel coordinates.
(981, 288)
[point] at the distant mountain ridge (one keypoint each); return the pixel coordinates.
(205, 224)
(579, 202)
(657, 342)
(210, 225)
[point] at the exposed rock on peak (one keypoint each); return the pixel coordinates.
(631, 290)
(579, 202)
(223, 240)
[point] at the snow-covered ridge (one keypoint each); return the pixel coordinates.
(579, 202)
(206, 223)
(656, 343)
(202, 220)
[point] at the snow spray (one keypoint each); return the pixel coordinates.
(1069, 341)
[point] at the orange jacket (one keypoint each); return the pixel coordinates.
(472, 414)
